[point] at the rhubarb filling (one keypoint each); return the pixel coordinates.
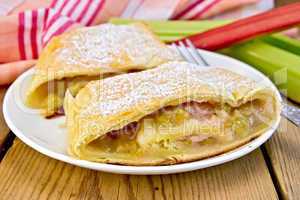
(191, 124)
(50, 96)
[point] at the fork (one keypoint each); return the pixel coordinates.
(191, 54)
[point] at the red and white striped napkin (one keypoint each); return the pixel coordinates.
(37, 27)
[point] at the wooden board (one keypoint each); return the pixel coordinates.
(283, 150)
(25, 173)
(284, 2)
(3, 127)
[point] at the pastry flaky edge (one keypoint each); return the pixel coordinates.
(110, 104)
(57, 60)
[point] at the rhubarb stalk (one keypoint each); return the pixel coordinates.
(280, 65)
(271, 21)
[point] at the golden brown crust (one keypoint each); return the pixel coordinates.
(94, 51)
(187, 157)
(110, 104)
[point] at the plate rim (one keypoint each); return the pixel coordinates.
(145, 170)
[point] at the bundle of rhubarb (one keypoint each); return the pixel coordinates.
(251, 40)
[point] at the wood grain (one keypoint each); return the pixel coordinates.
(3, 127)
(25, 173)
(284, 152)
(284, 2)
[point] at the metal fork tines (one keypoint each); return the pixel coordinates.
(189, 52)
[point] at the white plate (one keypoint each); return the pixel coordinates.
(49, 137)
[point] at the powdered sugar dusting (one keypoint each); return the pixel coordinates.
(109, 44)
(117, 94)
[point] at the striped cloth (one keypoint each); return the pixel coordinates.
(195, 9)
(37, 27)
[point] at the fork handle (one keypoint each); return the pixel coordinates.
(291, 112)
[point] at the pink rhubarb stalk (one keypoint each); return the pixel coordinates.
(271, 21)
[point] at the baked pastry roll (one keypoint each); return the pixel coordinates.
(175, 113)
(79, 56)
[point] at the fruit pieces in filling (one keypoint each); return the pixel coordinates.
(188, 123)
(53, 103)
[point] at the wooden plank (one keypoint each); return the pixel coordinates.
(3, 127)
(27, 174)
(284, 152)
(284, 2)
